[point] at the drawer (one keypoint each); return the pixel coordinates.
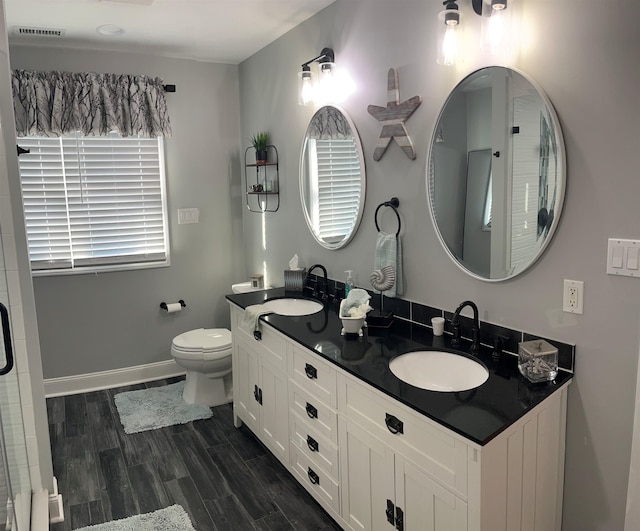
(318, 415)
(437, 451)
(272, 347)
(318, 449)
(314, 375)
(316, 481)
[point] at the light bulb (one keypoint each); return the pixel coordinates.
(496, 30)
(449, 46)
(499, 38)
(448, 34)
(305, 88)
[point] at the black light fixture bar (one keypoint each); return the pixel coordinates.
(326, 56)
(477, 5)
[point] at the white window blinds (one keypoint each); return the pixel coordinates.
(338, 184)
(93, 201)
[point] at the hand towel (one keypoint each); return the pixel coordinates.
(357, 299)
(251, 317)
(389, 253)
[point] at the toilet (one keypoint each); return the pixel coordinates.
(205, 354)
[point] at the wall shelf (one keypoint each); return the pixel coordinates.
(262, 186)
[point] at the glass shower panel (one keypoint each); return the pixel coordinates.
(15, 483)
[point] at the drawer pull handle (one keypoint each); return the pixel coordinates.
(257, 335)
(310, 371)
(312, 412)
(312, 444)
(390, 511)
(313, 477)
(399, 519)
(394, 424)
(257, 394)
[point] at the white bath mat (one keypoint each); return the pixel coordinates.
(172, 518)
(157, 407)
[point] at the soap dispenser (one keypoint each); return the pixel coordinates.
(348, 285)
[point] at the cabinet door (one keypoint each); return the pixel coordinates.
(274, 413)
(245, 383)
(367, 479)
(425, 505)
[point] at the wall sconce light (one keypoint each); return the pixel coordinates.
(496, 22)
(308, 91)
(495, 31)
(449, 31)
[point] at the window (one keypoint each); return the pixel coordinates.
(336, 181)
(94, 202)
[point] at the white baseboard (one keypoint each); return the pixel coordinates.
(83, 383)
(56, 509)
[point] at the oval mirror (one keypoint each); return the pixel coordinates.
(496, 173)
(332, 177)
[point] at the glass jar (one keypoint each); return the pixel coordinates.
(538, 360)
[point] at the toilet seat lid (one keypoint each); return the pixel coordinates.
(204, 339)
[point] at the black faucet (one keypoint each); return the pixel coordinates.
(326, 280)
(475, 330)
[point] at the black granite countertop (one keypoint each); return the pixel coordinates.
(478, 414)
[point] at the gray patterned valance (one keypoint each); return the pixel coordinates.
(61, 103)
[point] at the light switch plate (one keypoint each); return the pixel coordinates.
(623, 257)
(188, 215)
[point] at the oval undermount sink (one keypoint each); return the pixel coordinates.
(436, 370)
(292, 307)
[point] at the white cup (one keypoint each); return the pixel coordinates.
(438, 325)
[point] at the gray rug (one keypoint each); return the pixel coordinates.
(157, 407)
(172, 518)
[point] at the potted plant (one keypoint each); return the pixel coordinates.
(260, 141)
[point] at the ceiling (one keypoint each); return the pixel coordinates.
(221, 31)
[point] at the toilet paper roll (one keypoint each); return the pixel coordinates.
(173, 307)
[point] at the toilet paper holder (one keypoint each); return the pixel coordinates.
(163, 305)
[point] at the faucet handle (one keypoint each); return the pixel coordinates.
(455, 328)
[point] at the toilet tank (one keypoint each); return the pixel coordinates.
(244, 287)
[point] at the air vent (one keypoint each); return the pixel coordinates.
(38, 32)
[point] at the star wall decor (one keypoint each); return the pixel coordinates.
(393, 117)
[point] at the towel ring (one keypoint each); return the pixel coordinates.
(393, 203)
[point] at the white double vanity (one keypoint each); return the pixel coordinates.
(378, 454)
(374, 451)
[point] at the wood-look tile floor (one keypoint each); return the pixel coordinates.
(222, 476)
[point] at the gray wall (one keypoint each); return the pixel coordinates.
(582, 53)
(91, 323)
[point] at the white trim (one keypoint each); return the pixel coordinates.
(94, 381)
(40, 510)
(56, 509)
(632, 513)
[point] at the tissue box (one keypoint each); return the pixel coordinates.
(294, 279)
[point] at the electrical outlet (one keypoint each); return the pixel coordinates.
(573, 296)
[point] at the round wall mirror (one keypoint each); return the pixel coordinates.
(332, 178)
(496, 173)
